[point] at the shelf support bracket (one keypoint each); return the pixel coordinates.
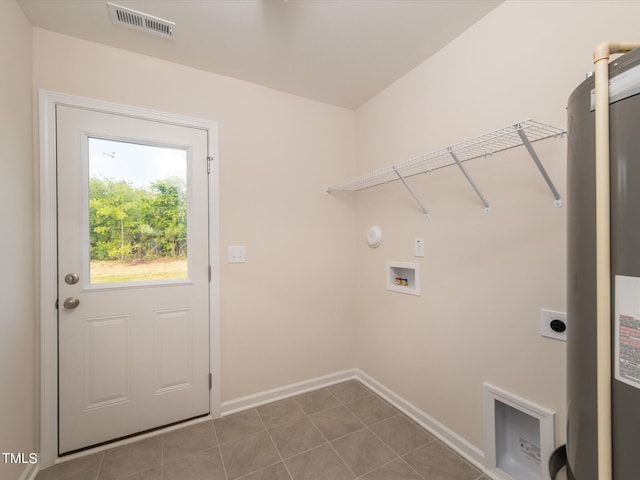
(415, 197)
(487, 208)
(557, 202)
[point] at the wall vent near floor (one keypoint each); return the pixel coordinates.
(140, 21)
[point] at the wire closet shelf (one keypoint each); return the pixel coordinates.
(515, 135)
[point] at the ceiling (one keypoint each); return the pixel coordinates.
(341, 52)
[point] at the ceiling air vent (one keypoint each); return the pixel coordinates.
(140, 21)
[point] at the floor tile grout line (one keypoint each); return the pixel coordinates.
(421, 446)
(411, 466)
(260, 470)
(243, 438)
(246, 434)
(368, 427)
(368, 393)
(396, 458)
(380, 466)
(285, 422)
(345, 404)
(388, 418)
(342, 460)
(224, 467)
(100, 465)
(401, 457)
(161, 456)
(333, 448)
(413, 469)
(274, 445)
(435, 440)
(312, 391)
(284, 459)
(341, 436)
(308, 417)
(459, 456)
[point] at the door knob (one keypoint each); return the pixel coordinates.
(71, 303)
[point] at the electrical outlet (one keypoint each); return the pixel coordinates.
(553, 324)
(418, 247)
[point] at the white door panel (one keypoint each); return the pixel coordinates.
(134, 353)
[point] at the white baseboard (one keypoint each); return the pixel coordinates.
(279, 393)
(469, 452)
(30, 472)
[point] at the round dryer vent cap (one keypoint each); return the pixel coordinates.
(374, 236)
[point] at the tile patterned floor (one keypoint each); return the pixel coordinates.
(344, 431)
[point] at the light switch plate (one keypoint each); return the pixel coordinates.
(236, 254)
(418, 247)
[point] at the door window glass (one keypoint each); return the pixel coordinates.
(137, 212)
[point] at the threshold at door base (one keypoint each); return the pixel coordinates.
(85, 452)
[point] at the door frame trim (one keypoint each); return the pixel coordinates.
(48, 295)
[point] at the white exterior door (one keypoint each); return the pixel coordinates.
(133, 275)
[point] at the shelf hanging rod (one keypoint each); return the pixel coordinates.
(487, 208)
(415, 197)
(525, 141)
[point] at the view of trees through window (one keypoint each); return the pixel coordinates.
(137, 221)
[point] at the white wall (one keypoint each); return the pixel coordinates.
(17, 297)
(485, 277)
(287, 314)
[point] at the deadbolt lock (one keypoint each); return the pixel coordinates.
(71, 278)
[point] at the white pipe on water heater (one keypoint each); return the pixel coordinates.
(603, 253)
